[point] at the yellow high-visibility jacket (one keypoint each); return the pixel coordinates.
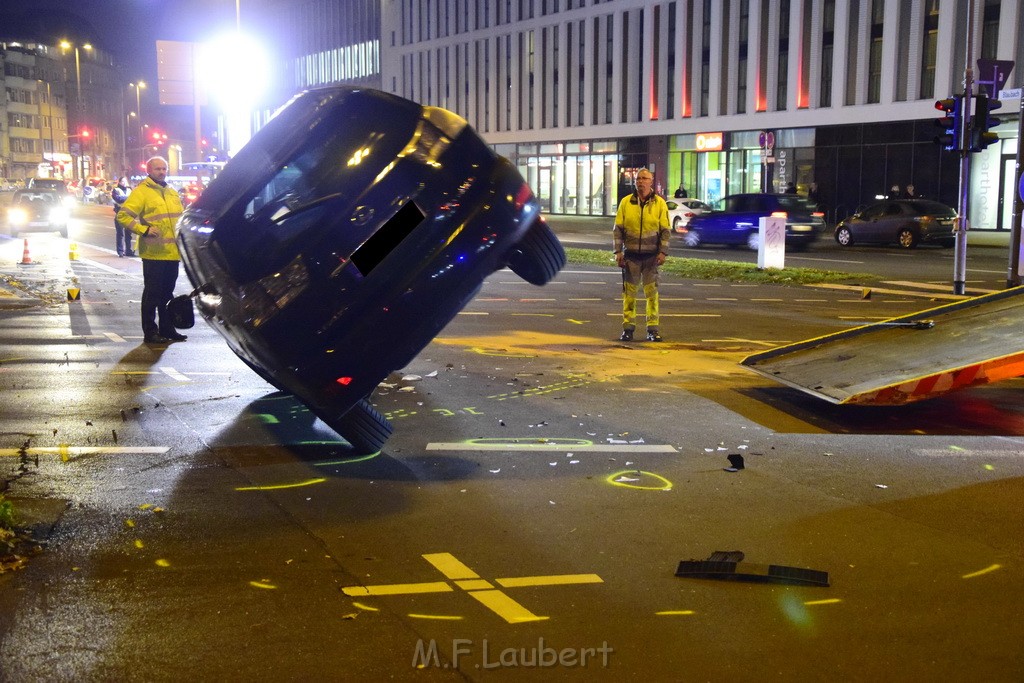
(156, 209)
(641, 228)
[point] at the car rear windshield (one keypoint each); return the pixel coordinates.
(928, 208)
(793, 203)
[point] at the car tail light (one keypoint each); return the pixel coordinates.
(779, 214)
(688, 214)
(818, 214)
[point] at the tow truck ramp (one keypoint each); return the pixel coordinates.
(910, 358)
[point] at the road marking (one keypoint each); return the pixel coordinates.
(732, 340)
(479, 589)
(174, 374)
(899, 292)
(85, 450)
(936, 287)
(980, 572)
(547, 445)
(116, 338)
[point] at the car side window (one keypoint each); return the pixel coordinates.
(893, 210)
(873, 212)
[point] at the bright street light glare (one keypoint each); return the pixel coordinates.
(234, 69)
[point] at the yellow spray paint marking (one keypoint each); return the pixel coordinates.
(139, 544)
(830, 601)
(365, 607)
(347, 461)
(274, 487)
(479, 589)
(162, 563)
(986, 570)
(262, 584)
(539, 391)
(442, 617)
(129, 523)
(500, 353)
(577, 322)
(675, 612)
(635, 479)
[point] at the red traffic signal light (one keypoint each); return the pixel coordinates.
(85, 133)
(950, 123)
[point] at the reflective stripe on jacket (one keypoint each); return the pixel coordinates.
(157, 208)
(641, 228)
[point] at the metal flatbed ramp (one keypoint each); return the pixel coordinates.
(913, 357)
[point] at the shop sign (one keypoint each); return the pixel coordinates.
(709, 142)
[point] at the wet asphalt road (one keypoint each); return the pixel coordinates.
(527, 516)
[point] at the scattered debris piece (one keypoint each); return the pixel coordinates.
(881, 486)
(728, 565)
(736, 462)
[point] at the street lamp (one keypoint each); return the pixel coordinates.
(138, 85)
(65, 45)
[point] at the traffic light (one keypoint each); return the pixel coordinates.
(950, 123)
(85, 133)
(981, 137)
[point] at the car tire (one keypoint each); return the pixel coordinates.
(753, 240)
(365, 428)
(691, 239)
(538, 256)
(906, 238)
(677, 224)
(844, 237)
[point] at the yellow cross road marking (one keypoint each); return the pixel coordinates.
(479, 589)
(562, 579)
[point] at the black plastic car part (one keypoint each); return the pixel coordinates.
(345, 235)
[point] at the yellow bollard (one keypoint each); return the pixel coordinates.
(73, 251)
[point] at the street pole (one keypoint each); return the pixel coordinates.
(1013, 271)
(963, 205)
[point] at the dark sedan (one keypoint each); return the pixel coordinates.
(906, 222)
(735, 221)
(347, 233)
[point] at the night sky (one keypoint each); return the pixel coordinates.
(128, 29)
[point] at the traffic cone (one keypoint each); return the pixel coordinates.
(25, 258)
(73, 251)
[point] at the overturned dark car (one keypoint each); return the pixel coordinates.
(345, 235)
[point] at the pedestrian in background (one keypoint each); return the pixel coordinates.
(681, 192)
(122, 237)
(640, 240)
(152, 211)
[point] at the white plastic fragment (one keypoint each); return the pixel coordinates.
(881, 486)
(411, 378)
(432, 374)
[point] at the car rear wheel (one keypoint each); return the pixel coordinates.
(677, 224)
(844, 237)
(538, 256)
(906, 238)
(691, 239)
(365, 428)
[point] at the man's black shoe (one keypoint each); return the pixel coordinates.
(174, 336)
(156, 339)
(652, 335)
(627, 335)
(129, 253)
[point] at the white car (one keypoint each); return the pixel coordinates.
(680, 212)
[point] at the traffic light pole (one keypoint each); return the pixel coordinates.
(963, 203)
(1013, 271)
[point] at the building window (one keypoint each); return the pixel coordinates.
(930, 44)
(875, 52)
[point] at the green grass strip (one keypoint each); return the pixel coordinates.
(701, 269)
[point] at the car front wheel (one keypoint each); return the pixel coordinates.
(906, 238)
(538, 256)
(753, 241)
(843, 236)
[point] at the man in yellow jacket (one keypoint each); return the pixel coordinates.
(640, 240)
(152, 211)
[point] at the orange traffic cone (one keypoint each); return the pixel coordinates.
(25, 258)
